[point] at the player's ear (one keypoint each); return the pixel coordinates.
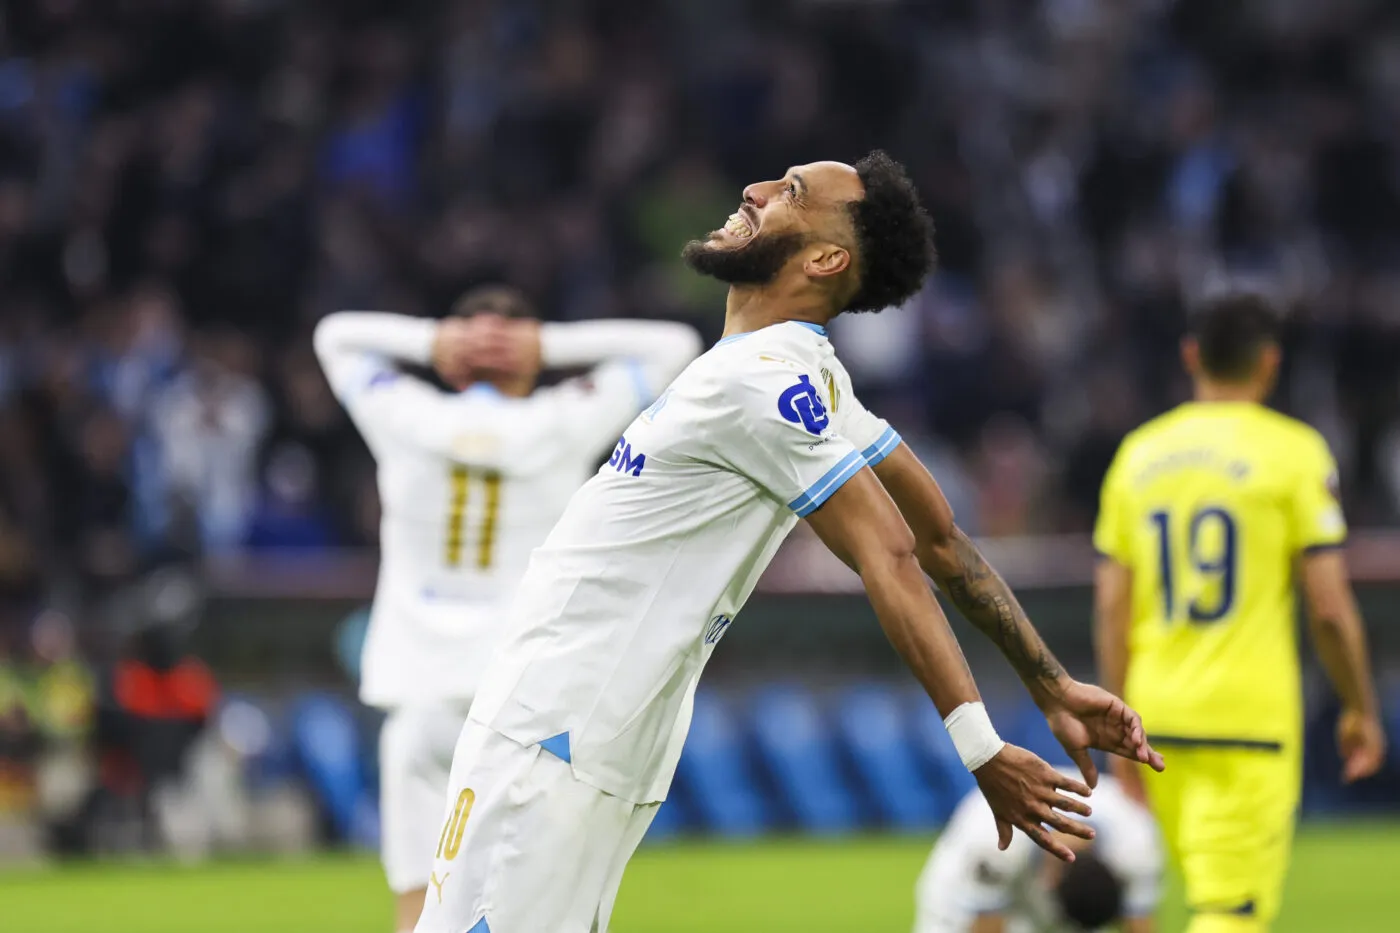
(1270, 361)
(1191, 355)
(826, 259)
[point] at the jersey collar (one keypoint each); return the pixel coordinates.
(817, 329)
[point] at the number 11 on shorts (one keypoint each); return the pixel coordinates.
(450, 843)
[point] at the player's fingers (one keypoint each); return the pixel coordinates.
(1361, 764)
(1072, 805)
(1085, 763)
(1065, 782)
(1153, 759)
(1069, 827)
(1048, 842)
(1004, 832)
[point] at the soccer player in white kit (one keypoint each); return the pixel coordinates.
(969, 885)
(579, 721)
(470, 483)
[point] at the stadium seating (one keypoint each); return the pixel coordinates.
(799, 753)
(326, 739)
(870, 721)
(716, 775)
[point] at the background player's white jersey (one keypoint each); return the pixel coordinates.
(623, 604)
(471, 482)
(967, 875)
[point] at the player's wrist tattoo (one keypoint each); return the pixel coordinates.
(985, 600)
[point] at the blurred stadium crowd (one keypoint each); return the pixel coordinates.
(187, 186)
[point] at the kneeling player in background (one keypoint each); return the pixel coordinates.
(1210, 514)
(969, 886)
(470, 483)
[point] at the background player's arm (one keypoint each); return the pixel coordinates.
(1139, 925)
(860, 525)
(360, 352)
(656, 351)
(1113, 607)
(1318, 530)
(1339, 637)
(1113, 598)
(631, 363)
(354, 347)
(988, 923)
(1080, 715)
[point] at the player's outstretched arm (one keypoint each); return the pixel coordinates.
(1339, 636)
(1082, 716)
(861, 526)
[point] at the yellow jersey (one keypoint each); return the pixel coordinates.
(1210, 506)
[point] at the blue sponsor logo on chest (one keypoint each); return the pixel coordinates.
(624, 461)
(801, 404)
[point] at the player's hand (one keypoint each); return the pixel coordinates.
(1024, 793)
(1361, 743)
(505, 346)
(452, 352)
(1084, 716)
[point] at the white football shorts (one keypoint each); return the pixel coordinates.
(415, 761)
(525, 847)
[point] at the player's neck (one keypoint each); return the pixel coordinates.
(511, 387)
(753, 308)
(1209, 391)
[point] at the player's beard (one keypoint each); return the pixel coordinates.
(757, 262)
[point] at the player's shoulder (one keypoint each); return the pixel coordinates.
(1143, 439)
(1288, 434)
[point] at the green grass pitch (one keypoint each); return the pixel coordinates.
(1344, 878)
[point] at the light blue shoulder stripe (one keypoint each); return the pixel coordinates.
(814, 328)
(481, 926)
(832, 480)
(882, 448)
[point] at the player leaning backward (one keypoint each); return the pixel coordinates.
(470, 483)
(580, 717)
(1210, 514)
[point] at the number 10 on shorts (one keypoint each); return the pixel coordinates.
(450, 843)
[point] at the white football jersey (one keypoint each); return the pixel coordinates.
(967, 875)
(471, 482)
(621, 607)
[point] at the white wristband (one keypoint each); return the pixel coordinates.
(973, 736)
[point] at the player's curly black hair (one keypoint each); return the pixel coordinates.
(1231, 329)
(1089, 893)
(894, 235)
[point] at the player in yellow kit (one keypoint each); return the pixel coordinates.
(1210, 514)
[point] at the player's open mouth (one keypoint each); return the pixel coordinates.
(738, 226)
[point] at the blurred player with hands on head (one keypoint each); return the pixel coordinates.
(470, 482)
(969, 885)
(1209, 515)
(574, 736)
